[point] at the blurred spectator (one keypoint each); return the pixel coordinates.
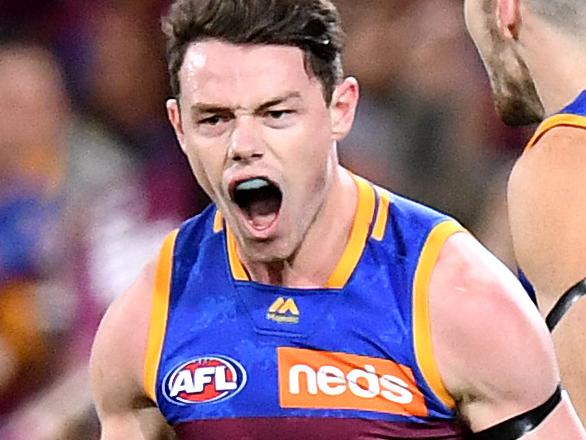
(126, 89)
(33, 114)
(454, 158)
(71, 205)
(425, 125)
(375, 55)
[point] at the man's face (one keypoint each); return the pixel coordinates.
(514, 92)
(33, 106)
(260, 140)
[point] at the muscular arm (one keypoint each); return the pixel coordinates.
(493, 350)
(116, 369)
(547, 210)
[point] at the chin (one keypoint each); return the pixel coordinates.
(515, 95)
(519, 105)
(269, 251)
(516, 113)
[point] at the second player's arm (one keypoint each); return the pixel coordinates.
(547, 210)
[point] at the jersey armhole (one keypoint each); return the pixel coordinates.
(421, 320)
(559, 120)
(158, 315)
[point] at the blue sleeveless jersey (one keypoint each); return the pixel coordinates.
(231, 358)
(577, 107)
(573, 115)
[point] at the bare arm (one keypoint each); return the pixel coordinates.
(116, 368)
(493, 350)
(547, 210)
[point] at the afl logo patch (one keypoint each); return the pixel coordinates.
(205, 379)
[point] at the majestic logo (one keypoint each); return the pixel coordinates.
(284, 311)
(205, 379)
(320, 379)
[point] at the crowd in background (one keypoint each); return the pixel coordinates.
(91, 177)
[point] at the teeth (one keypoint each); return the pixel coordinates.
(252, 184)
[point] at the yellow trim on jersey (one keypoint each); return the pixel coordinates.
(358, 235)
(421, 321)
(238, 271)
(382, 215)
(159, 311)
(567, 120)
(218, 221)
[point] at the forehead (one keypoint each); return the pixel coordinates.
(243, 74)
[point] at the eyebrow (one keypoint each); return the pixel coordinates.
(201, 107)
(278, 100)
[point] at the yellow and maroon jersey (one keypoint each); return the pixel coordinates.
(232, 358)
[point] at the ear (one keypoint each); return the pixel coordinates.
(343, 107)
(509, 18)
(174, 115)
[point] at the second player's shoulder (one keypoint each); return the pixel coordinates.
(557, 152)
(547, 206)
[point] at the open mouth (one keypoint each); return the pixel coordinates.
(259, 199)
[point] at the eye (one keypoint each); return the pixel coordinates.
(213, 124)
(212, 120)
(278, 114)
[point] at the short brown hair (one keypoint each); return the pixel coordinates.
(312, 25)
(566, 15)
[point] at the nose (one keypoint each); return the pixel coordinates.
(245, 143)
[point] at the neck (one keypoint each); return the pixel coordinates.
(323, 244)
(557, 64)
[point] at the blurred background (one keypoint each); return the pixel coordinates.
(91, 177)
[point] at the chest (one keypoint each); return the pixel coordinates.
(240, 349)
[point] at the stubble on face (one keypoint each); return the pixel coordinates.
(241, 80)
(515, 95)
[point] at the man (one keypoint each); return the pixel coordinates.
(534, 51)
(306, 302)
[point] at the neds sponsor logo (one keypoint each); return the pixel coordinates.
(321, 379)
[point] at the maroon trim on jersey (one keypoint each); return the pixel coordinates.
(317, 428)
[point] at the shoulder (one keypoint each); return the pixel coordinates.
(410, 210)
(119, 347)
(467, 273)
(547, 205)
(124, 407)
(487, 335)
(560, 149)
(559, 155)
(409, 223)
